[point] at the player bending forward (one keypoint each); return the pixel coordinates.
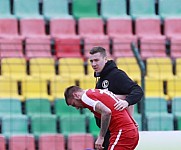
(123, 129)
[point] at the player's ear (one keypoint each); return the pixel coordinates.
(75, 95)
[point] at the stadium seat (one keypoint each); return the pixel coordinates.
(174, 88)
(71, 67)
(175, 46)
(26, 9)
(142, 9)
(160, 122)
(67, 42)
(154, 87)
(66, 127)
(38, 47)
(159, 68)
(178, 67)
(9, 89)
(11, 47)
(22, 142)
(13, 107)
(92, 127)
(178, 123)
(58, 85)
(14, 125)
(172, 27)
(2, 142)
(35, 88)
(117, 10)
(173, 11)
(5, 9)
(9, 28)
(14, 68)
(43, 68)
(130, 66)
(83, 9)
(121, 34)
(35, 106)
(80, 141)
(60, 9)
(51, 141)
(33, 27)
(176, 109)
(44, 124)
(61, 108)
(137, 118)
(87, 82)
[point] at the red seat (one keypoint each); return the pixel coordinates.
(51, 142)
(80, 141)
(30, 28)
(67, 43)
(22, 142)
(92, 31)
(120, 31)
(11, 47)
(38, 47)
(9, 28)
(2, 143)
(152, 47)
(172, 27)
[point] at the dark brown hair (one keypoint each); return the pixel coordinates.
(98, 49)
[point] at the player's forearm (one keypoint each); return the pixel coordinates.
(105, 121)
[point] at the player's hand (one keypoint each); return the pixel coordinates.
(120, 105)
(99, 142)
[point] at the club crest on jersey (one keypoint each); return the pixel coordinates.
(105, 84)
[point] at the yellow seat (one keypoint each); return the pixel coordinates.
(160, 68)
(14, 68)
(174, 88)
(154, 88)
(87, 82)
(178, 67)
(58, 86)
(35, 88)
(71, 67)
(130, 66)
(44, 68)
(9, 88)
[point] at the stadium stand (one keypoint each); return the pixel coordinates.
(80, 141)
(60, 9)
(142, 9)
(93, 128)
(176, 110)
(118, 9)
(26, 9)
(84, 9)
(178, 67)
(174, 87)
(2, 142)
(51, 141)
(22, 142)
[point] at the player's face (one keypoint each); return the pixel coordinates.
(97, 61)
(76, 103)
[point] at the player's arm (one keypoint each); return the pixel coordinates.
(105, 121)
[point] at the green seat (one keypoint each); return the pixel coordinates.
(61, 108)
(93, 128)
(176, 106)
(5, 9)
(45, 124)
(169, 8)
(82, 8)
(26, 9)
(14, 125)
(142, 8)
(9, 107)
(118, 9)
(178, 122)
(72, 124)
(37, 107)
(137, 118)
(162, 122)
(60, 9)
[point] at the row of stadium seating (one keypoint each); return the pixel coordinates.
(89, 8)
(47, 142)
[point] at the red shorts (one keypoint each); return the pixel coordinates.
(124, 141)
